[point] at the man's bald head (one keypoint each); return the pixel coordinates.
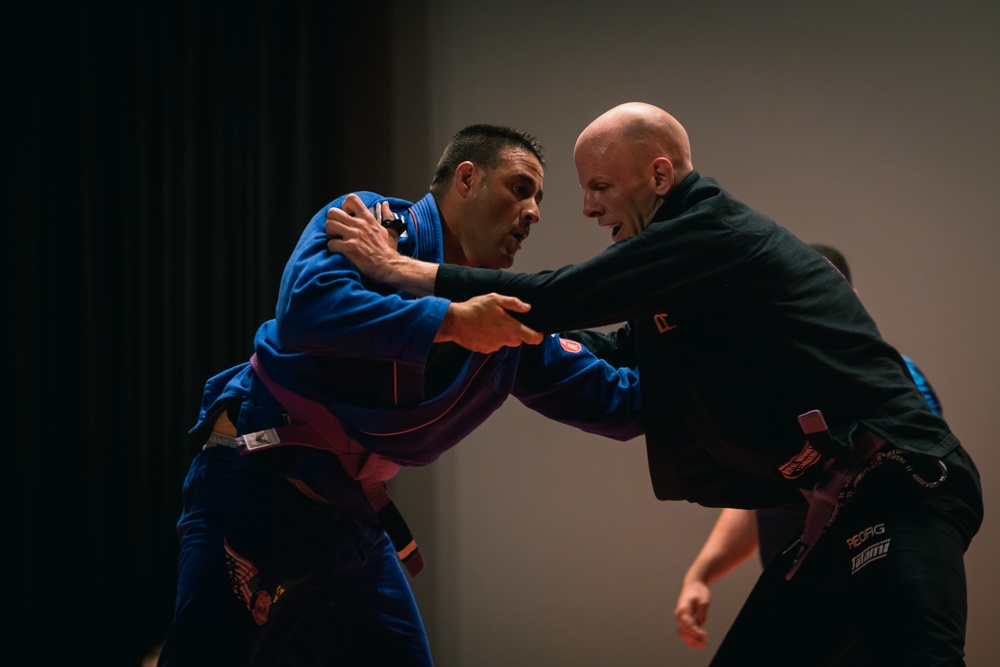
(643, 131)
(628, 160)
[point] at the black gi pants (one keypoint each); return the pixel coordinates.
(885, 585)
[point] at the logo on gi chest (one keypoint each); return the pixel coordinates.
(663, 323)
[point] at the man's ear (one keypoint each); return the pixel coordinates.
(465, 177)
(663, 176)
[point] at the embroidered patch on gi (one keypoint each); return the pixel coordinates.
(570, 345)
(871, 552)
(662, 325)
(245, 579)
(798, 464)
(875, 552)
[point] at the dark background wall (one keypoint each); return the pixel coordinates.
(165, 158)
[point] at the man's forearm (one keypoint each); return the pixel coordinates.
(732, 540)
(407, 274)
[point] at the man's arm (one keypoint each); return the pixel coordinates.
(625, 281)
(732, 541)
(481, 324)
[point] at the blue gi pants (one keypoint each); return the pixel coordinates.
(269, 576)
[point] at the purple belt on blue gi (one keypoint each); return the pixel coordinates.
(316, 427)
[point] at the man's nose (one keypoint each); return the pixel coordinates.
(590, 209)
(531, 213)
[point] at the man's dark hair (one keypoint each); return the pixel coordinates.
(836, 258)
(482, 145)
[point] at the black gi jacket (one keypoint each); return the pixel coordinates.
(736, 327)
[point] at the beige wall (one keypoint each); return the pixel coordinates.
(871, 126)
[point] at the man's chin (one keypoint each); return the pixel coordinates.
(502, 262)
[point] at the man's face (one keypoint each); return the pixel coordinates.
(618, 189)
(501, 212)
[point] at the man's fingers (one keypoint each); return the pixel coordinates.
(530, 336)
(700, 615)
(523, 333)
(340, 221)
(689, 630)
(690, 622)
(354, 206)
(338, 215)
(694, 638)
(335, 223)
(512, 303)
(348, 213)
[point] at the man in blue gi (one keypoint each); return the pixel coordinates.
(290, 549)
(767, 384)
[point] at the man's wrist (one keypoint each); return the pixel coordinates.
(409, 275)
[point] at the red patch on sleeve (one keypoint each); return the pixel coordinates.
(570, 345)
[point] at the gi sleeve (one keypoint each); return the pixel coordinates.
(617, 348)
(562, 380)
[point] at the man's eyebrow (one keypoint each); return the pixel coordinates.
(530, 178)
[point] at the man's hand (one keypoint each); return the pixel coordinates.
(691, 613)
(483, 324)
(354, 232)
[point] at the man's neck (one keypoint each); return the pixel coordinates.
(451, 244)
(453, 252)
